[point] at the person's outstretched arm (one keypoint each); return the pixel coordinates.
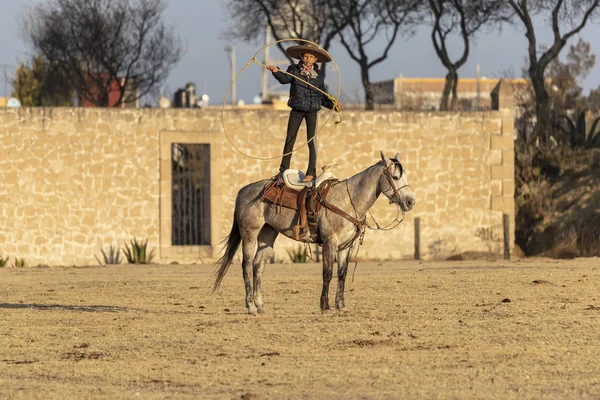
(280, 76)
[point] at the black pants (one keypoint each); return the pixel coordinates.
(294, 123)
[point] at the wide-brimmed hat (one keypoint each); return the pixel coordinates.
(297, 51)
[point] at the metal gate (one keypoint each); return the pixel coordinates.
(190, 171)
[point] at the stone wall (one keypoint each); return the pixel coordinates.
(73, 181)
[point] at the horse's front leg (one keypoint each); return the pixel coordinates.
(329, 251)
(342, 259)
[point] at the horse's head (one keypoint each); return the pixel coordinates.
(394, 183)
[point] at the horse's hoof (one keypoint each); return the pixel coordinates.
(252, 311)
(261, 310)
(342, 309)
(326, 311)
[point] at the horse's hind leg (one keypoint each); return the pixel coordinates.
(266, 240)
(249, 246)
(342, 271)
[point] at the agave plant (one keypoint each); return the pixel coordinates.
(579, 135)
(3, 261)
(137, 254)
(298, 256)
(19, 262)
(593, 137)
(113, 257)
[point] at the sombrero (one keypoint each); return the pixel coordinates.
(297, 51)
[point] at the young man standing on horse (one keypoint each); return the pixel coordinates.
(305, 101)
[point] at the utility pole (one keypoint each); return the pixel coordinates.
(231, 53)
(477, 82)
(264, 79)
(5, 68)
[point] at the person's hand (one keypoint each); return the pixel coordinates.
(273, 68)
(338, 107)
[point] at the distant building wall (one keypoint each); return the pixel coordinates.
(130, 96)
(426, 93)
(73, 181)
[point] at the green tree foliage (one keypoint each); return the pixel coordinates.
(564, 77)
(39, 84)
(565, 94)
(593, 100)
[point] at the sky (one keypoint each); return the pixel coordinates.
(202, 23)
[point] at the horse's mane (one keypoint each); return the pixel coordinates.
(360, 172)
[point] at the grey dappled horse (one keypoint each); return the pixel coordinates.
(256, 225)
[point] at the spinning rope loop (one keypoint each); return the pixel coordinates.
(253, 60)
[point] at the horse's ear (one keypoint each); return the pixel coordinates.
(386, 160)
(397, 156)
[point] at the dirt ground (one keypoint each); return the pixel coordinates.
(525, 329)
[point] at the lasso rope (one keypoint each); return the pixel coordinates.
(253, 60)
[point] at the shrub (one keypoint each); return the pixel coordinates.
(436, 249)
(137, 254)
(19, 262)
(3, 261)
(113, 257)
(298, 256)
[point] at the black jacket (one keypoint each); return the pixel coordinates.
(303, 97)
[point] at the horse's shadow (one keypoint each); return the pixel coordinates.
(63, 307)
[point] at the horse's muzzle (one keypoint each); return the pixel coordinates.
(407, 203)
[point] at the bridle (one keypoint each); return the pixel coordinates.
(395, 198)
(387, 172)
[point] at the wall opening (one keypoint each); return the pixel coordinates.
(190, 194)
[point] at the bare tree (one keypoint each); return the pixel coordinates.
(303, 19)
(362, 21)
(102, 45)
(465, 18)
(565, 15)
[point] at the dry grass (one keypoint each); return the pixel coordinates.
(469, 329)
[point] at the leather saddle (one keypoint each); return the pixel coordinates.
(293, 177)
(285, 190)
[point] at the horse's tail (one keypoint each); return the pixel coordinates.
(233, 243)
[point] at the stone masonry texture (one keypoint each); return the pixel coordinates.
(74, 181)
